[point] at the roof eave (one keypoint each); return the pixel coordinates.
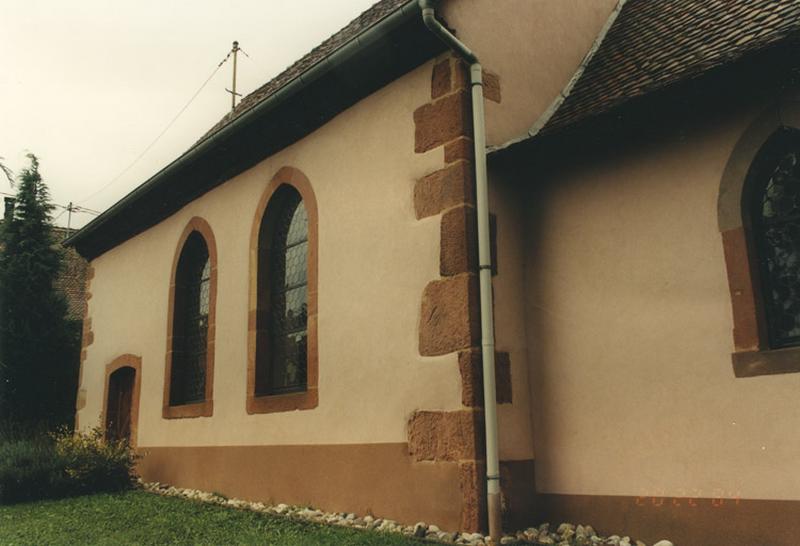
(371, 59)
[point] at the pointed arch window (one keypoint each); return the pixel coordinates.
(282, 371)
(190, 340)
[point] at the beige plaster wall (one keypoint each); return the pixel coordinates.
(629, 330)
(535, 46)
(375, 259)
(514, 420)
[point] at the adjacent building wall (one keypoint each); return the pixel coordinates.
(639, 424)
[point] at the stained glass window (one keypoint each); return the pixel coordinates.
(190, 326)
(283, 267)
(776, 233)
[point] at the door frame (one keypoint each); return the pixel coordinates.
(124, 361)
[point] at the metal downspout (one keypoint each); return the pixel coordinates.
(484, 264)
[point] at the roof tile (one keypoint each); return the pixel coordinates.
(653, 44)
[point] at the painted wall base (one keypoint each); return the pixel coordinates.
(684, 521)
(378, 479)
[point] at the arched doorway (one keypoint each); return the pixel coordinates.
(119, 404)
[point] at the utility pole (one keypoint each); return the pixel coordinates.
(69, 217)
(232, 91)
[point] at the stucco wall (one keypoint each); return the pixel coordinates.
(375, 259)
(629, 328)
(535, 46)
(514, 420)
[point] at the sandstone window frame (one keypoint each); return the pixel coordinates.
(753, 356)
(309, 398)
(203, 408)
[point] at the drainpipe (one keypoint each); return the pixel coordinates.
(484, 263)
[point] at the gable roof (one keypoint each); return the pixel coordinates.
(383, 43)
(653, 44)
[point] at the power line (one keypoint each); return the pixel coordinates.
(60, 214)
(149, 146)
(67, 207)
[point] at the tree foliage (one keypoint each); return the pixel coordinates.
(38, 345)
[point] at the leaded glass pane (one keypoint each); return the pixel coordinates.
(288, 297)
(298, 228)
(778, 239)
(190, 328)
(296, 265)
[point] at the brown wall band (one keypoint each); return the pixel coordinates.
(377, 479)
(703, 521)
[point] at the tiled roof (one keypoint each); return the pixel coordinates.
(358, 25)
(654, 43)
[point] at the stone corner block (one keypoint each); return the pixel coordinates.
(450, 315)
(470, 365)
(441, 121)
(446, 435)
(458, 249)
(445, 188)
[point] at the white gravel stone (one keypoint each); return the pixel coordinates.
(566, 534)
(564, 527)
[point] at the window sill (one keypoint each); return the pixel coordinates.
(767, 362)
(283, 402)
(186, 411)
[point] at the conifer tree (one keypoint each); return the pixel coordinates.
(38, 346)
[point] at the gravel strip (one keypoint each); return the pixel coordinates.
(565, 534)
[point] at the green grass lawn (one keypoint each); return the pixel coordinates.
(136, 517)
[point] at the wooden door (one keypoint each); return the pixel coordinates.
(118, 409)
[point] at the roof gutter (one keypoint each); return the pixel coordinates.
(484, 264)
(328, 64)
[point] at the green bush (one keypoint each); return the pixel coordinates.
(63, 464)
(93, 464)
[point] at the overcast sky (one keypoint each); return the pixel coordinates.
(87, 85)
